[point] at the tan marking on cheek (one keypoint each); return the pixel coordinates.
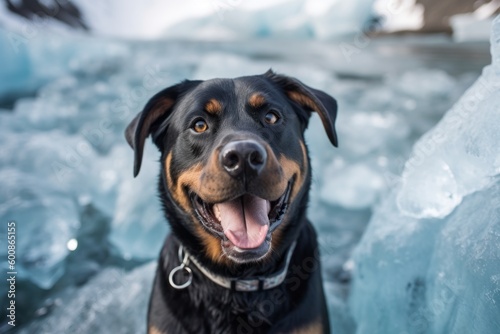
(290, 169)
(277, 237)
(168, 161)
(315, 327)
(305, 163)
(212, 245)
(256, 100)
(293, 168)
(189, 178)
(213, 107)
(154, 330)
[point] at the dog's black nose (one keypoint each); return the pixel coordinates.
(243, 157)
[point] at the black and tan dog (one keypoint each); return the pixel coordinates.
(234, 182)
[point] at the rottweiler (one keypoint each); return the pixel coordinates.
(235, 175)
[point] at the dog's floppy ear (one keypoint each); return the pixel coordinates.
(158, 108)
(310, 99)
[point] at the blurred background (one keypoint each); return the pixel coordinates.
(73, 74)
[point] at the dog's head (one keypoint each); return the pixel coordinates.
(235, 170)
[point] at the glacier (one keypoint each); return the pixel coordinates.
(429, 261)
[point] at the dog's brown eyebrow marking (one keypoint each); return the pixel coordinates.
(257, 100)
(213, 107)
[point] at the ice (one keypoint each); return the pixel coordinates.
(65, 159)
(298, 19)
(476, 25)
(114, 301)
(44, 213)
(18, 74)
(430, 84)
(213, 20)
(354, 186)
(65, 147)
(461, 154)
(24, 54)
(138, 226)
(429, 259)
(430, 275)
(366, 131)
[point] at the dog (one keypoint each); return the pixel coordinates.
(235, 175)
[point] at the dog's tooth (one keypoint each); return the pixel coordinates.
(217, 212)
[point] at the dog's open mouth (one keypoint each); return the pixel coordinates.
(244, 223)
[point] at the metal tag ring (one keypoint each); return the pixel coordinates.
(174, 271)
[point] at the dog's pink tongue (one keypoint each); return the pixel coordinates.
(244, 220)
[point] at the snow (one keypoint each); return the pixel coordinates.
(429, 259)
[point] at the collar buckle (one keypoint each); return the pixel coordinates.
(184, 259)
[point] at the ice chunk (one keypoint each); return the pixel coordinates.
(113, 302)
(48, 216)
(464, 276)
(430, 275)
(429, 259)
(461, 154)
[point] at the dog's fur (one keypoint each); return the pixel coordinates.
(272, 112)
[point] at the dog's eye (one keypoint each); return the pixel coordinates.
(200, 126)
(272, 117)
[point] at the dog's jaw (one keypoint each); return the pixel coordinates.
(232, 246)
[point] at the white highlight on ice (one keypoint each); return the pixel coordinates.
(72, 244)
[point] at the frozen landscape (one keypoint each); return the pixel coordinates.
(408, 207)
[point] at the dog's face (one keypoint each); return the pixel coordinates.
(234, 164)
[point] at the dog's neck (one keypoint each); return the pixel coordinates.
(187, 262)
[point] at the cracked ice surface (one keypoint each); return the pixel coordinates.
(429, 261)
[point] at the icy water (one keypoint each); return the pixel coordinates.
(66, 170)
